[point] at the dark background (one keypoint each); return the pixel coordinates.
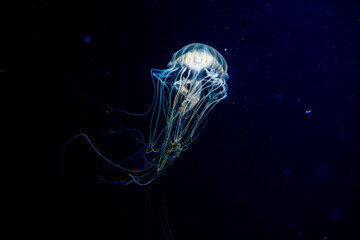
(264, 167)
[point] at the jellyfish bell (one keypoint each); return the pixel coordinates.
(198, 60)
(198, 56)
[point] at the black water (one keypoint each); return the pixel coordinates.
(279, 157)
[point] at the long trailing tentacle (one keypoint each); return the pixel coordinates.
(106, 105)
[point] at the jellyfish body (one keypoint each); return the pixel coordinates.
(185, 92)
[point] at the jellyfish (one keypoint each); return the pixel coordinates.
(184, 94)
(193, 83)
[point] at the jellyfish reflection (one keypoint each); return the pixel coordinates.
(185, 92)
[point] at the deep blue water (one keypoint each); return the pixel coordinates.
(279, 157)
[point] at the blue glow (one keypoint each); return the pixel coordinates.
(287, 172)
(308, 111)
(336, 214)
(278, 96)
(87, 39)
